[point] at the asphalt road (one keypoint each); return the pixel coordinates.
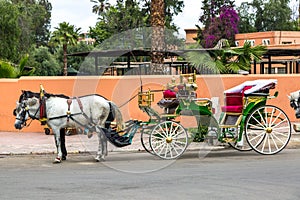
(223, 174)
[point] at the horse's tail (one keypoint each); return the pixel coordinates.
(118, 116)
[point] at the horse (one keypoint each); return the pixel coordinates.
(294, 98)
(92, 112)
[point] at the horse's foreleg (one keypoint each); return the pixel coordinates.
(63, 143)
(58, 146)
(102, 147)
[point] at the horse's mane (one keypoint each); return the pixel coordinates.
(30, 94)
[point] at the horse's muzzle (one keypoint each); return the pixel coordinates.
(18, 126)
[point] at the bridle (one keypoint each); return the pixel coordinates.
(295, 103)
(25, 110)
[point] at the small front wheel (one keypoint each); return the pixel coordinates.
(168, 140)
(268, 130)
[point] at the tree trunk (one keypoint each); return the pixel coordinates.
(158, 36)
(65, 72)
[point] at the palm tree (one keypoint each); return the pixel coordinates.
(227, 60)
(10, 70)
(65, 35)
(157, 16)
(100, 6)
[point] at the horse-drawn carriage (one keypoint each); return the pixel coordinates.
(246, 121)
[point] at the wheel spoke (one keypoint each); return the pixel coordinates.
(277, 138)
(275, 120)
(257, 136)
(257, 121)
(257, 127)
(162, 131)
(163, 146)
(280, 133)
(275, 143)
(168, 140)
(173, 145)
(279, 123)
(262, 119)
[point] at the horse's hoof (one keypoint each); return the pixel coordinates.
(90, 134)
(99, 159)
(57, 160)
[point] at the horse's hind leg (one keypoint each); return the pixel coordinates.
(102, 147)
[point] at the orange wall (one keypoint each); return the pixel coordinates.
(121, 89)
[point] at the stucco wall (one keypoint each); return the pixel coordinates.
(121, 89)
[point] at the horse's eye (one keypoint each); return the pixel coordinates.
(293, 104)
(15, 112)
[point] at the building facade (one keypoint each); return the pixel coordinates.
(283, 50)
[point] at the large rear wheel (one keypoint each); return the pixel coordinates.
(268, 130)
(168, 140)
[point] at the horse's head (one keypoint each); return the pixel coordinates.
(26, 103)
(295, 102)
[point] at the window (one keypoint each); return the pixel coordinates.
(252, 42)
(286, 42)
(266, 42)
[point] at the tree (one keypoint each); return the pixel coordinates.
(158, 39)
(220, 21)
(10, 70)
(277, 16)
(44, 62)
(171, 9)
(273, 15)
(10, 31)
(65, 34)
(118, 18)
(247, 18)
(100, 6)
(211, 9)
(23, 25)
(227, 60)
(224, 26)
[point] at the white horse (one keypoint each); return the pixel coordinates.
(92, 112)
(294, 98)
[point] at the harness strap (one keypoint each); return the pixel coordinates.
(80, 104)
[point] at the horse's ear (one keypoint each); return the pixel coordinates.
(32, 101)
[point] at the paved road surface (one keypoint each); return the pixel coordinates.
(222, 174)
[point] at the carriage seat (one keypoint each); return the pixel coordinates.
(233, 103)
(169, 102)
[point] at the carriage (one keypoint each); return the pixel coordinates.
(246, 121)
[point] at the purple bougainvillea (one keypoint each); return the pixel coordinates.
(224, 26)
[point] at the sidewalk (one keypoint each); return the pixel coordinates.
(14, 143)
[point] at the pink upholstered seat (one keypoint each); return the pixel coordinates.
(169, 94)
(233, 102)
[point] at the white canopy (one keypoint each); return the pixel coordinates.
(256, 86)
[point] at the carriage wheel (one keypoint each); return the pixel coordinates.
(242, 145)
(268, 130)
(168, 140)
(145, 140)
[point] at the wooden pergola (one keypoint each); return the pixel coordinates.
(270, 53)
